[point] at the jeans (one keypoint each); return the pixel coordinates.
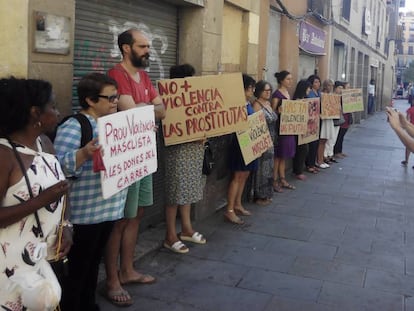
(371, 104)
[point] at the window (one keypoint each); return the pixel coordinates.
(410, 50)
(346, 9)
(411, 26)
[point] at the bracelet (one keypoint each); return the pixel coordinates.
(67, 224)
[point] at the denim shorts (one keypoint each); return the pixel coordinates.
(139, 194)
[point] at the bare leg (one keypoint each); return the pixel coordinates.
(128, 243)
(170, 218)
(276, 169)
(282, 168)
(229, 214)
(321, 149)
(407, 155)
(242, 178)
(186, 227)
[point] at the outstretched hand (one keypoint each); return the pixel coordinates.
(393, 118)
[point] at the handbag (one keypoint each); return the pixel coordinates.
(208, 161)
(340, 121)
(39, 288)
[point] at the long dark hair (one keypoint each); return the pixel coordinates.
(301, 87)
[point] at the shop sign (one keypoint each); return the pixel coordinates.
(312, 39)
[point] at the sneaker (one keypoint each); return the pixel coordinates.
(323, 165)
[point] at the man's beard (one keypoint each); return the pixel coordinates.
(140, 62)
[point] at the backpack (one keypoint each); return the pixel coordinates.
(86, 128)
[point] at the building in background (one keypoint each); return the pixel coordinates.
(62, 40)
(405, 48)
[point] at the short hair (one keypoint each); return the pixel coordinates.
(260, 86)
(338, 84)
(91, 85)
(312, 78)
(301, 87)
(17, 97)
(248, 81)
(181, 71)
(126, 38)
(280, 76)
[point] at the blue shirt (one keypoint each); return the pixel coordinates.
(87, 206)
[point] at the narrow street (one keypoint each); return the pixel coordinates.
(343, 241)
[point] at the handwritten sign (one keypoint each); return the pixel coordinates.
(129, 148)
(293, 117)
(256, 139)
(331, 106)
(312, 132)
(199, 107)
(352, 100)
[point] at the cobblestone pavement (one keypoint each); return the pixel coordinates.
(342, 241)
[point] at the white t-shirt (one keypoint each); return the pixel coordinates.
(371, 89)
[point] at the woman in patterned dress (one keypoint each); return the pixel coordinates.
(27, 110)
(184, 183)
(263, 179)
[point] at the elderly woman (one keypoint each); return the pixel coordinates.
(31, 185)
(263, 181)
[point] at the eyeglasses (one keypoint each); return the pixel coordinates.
(110, 98)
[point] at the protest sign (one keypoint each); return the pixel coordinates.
(293, 117)
(200, 107)
(256, 139)
(352, 100)
(331, 106)
(129, 148)
(312, 132)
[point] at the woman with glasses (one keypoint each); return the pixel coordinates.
(92, 216)
(239, 169)
(263, 179)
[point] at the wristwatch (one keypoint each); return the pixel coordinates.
(67, 224)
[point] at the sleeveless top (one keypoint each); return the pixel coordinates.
(19, 240)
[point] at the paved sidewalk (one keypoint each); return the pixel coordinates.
(342, 241)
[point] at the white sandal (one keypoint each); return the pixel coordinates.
(195, 238)
(177, 247)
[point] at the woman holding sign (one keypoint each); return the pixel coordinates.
(93, 217)
(286, 145)
(240, 170)
(263, 181)
(184, 183)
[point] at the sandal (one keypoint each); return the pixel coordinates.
(277, 187)
(177, 247)
(234, 220)
(242, 211)
(286, 185)
(197, 238)
(119, 298)
(263, 201)
(312, 170)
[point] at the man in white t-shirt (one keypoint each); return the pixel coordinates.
(371, 97)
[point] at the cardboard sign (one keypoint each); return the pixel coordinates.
(200, 107)
(256, 139)
(331, 106)
(293, 117)
(312, 132)
(352, 100)
(129, 148)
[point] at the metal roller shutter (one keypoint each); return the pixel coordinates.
(97, 25)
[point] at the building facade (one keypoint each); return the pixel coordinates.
(62, 40)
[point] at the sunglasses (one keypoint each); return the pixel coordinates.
(110, 98)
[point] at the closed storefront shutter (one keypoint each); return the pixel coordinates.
(97, 25)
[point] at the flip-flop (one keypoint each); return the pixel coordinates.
(195, 238)
(111, 296)
(142, 279)
(177, 247)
